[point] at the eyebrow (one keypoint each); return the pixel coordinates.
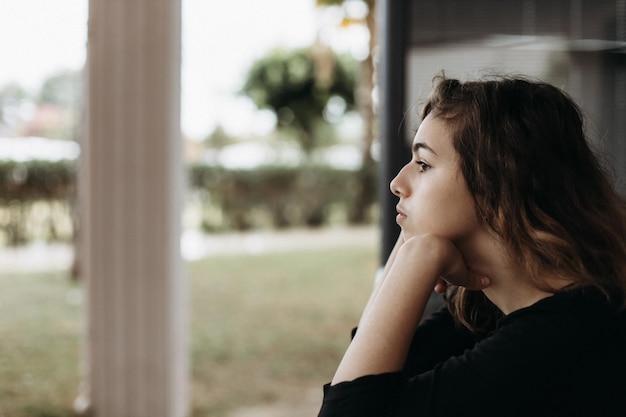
(422, 145)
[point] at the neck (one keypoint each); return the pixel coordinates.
(510, 288)
(509, 298)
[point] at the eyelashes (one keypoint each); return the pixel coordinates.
(423, 166)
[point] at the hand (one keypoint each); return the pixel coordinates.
(388, 324)
(451, 263)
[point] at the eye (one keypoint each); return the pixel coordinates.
(423, 166)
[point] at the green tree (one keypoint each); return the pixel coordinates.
(61, 93)
(364, 102)
(12, 99)
(63, 89)
(297, 85)
(219, 139)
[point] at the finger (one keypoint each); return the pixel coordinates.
(441, 286)
(477, 283)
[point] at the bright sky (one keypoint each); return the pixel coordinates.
(221, 38)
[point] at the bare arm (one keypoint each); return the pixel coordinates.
(385, 272)
(388, 324)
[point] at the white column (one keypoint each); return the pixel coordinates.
(131, 183)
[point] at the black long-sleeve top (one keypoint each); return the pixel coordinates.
(563, 356)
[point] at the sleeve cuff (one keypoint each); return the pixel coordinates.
(369, 395)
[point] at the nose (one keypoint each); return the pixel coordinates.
(396, 186)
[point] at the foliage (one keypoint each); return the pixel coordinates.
(36, 199)
(297, 86)
(54, 111)
(364, 102)
(219, 139)
(33, 180)
(267, 197)
(59, 109)
(12, 98)
(276, 196)
(324, 3)
(329, 2)
(63, 89)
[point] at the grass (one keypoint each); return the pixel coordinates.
(263, 329)
(41, 330)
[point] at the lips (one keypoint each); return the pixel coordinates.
(401, 214)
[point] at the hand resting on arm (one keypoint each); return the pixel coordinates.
(395, 309)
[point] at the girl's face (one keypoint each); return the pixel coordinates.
(434, 197)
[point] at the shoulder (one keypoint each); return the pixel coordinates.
(574, 313)
(564, 353)
(571, 325)
(574, 340)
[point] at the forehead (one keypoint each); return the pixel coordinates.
(434, 136)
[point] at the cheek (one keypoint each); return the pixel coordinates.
(456, 211)
(463, 211)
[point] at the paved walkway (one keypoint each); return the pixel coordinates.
(36, 257)
(195, 245)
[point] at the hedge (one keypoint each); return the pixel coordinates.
(36, 200)
(37, 180)
(275, 197)
(282, 197)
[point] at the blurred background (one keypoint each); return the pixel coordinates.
(270, 129)
(287, 149)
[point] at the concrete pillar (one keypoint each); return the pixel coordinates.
(131, 183)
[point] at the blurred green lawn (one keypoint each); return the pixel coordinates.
(264, 328)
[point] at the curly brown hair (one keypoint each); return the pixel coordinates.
(537, 183)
